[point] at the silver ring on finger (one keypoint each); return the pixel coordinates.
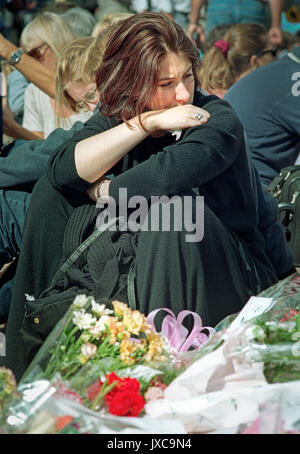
(198, 116)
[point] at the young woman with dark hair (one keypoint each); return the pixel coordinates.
(148, 86)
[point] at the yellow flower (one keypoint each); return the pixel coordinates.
(83, 359)
(116, 328)
(155, 347)
(127, 349)
(134, 321)
(123, 335)
(119, 308)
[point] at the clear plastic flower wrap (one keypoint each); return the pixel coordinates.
(42, 408)
(284, 291)
(274, 339)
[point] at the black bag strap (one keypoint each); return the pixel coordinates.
(81, 248)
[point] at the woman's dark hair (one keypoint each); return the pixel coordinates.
(128, 75)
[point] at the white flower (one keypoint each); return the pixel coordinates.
(82, 319)
(99, 326)
(85, 337)
(80, 301)
(89, 350)
(99, 309)
(154, 393)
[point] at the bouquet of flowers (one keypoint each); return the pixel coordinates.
(114, 358)
(94, 332)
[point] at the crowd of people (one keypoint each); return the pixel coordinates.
(138, 145)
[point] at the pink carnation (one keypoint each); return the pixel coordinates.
(154, 393)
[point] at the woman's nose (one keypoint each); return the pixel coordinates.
(182, 95)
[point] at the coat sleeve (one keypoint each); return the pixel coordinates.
(61, 170)
(201, 155)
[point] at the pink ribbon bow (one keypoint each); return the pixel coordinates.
(177, 334)
(223, 46)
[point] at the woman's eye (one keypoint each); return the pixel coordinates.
(169, 84)
(166, 85)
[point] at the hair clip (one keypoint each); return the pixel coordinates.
(223, 46)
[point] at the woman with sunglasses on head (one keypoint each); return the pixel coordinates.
(244, 48)
(149, 88)
(43, 38)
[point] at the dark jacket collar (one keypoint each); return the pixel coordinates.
(201, 99)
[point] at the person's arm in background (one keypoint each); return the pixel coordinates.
(16, 86)
(35, 72)
(27, 162)
(13, 129)
(194, 27)
(10, 126)
(276, 8)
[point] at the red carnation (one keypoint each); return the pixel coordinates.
(113, 377)
(124, 401)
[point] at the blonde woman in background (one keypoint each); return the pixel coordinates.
(75, 89)
(76, 71)
(244, 48)
(42, 39)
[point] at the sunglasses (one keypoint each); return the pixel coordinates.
(36, 52)
(90, 97)
(273, 51)
(83, 105)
